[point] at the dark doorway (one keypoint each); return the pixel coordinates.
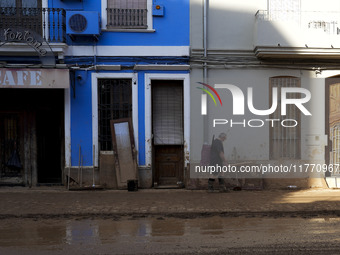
(168, 132)
(32, 123)
(50, 126)
(11, 148)
(49, 145)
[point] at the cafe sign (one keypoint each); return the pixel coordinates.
(34, 78)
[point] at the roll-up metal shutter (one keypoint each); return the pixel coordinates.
(167, 121)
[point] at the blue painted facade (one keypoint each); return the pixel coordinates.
(169, 34)
(172, 29)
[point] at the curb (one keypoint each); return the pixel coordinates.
(180, 215)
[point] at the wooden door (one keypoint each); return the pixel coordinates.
(169, 164)
(333, 122)
(168, 132)
(10, 144)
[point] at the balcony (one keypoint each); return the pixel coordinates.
(22, 28)
(290, 34)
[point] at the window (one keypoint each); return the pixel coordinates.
(127, 14)
(284, 141)
(114, 102)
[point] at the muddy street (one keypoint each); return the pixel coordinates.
(168, 235)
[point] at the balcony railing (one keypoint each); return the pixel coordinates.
(127, 18)
(327, 22)
(49, 23)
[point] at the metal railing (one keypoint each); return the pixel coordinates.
(126, 18)
(327, 22)
(49, 23)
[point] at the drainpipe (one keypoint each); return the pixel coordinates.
(205, 68)
(205, 39)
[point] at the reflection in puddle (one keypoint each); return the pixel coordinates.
(28, 232)
(85, 231)
(31, 233)
(168, 227)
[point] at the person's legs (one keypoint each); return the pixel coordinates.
(211, 184)
(221, 185)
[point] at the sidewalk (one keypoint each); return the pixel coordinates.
(58, 202)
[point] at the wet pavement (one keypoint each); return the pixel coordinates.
(163, 235)
(56, 221)
(60, 203)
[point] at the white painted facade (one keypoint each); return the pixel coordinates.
(127, 51)
(246, 49)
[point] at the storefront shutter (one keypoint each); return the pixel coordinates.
(167, 113)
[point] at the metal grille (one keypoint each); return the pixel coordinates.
(78, 23)
(285, 141)
(9, 141)
(127, 14)
(50, 23)
(335, 153)
(114, 102)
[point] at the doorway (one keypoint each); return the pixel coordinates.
(49, 146)
(332, 108)
(168, 132)
(32, 127)
(11, 148)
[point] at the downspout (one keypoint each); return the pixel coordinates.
(205, 68)
(205, 39)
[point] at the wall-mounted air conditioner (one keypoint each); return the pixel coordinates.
(82, 23)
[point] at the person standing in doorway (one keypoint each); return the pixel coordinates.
(217, 158)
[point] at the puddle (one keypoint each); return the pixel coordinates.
(93, 232)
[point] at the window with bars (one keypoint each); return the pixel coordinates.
(285, 141)
(126, 14)
(114, 102)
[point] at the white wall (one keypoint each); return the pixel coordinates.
(253, 143)
(231, 25)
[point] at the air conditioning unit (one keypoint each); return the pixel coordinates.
(82, 23)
